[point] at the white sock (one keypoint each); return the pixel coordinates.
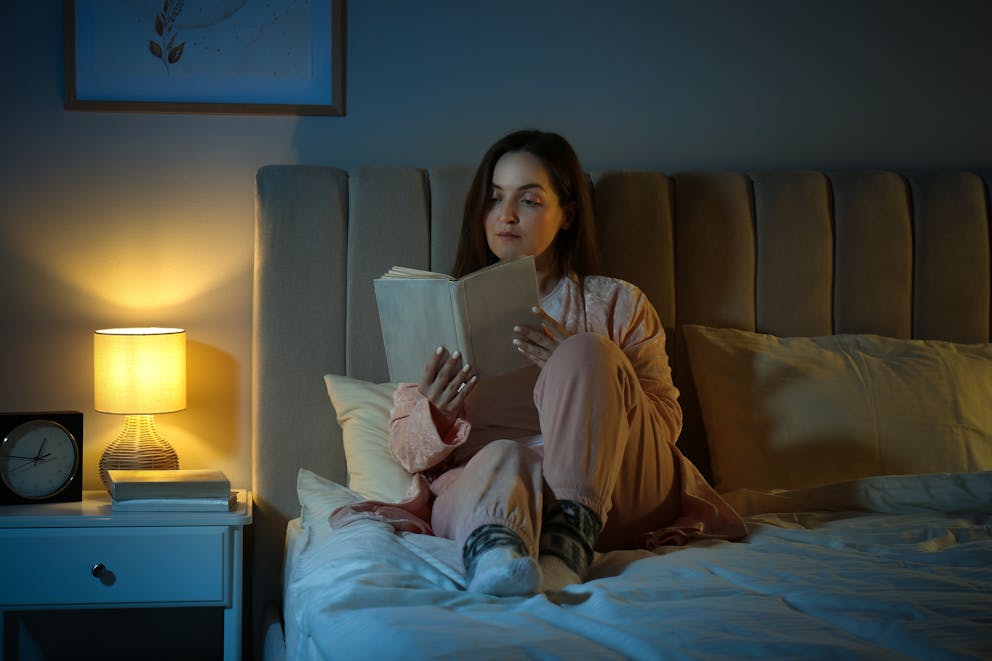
(503, 572)
(557, 575)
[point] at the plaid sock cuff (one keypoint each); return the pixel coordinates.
(569, 531)
(488, 537)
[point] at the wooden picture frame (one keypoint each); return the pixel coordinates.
(284, 57)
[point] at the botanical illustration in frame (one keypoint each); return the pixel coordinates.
(281, 57)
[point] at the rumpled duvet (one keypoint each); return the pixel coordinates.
(883, 568)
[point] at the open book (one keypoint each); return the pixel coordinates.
(422, 310)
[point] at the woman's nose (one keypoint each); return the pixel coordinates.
(509, 214)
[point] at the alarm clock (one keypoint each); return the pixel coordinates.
(41, 457)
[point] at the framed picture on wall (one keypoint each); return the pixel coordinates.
(277, 57)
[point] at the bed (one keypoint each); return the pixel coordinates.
(830, 336)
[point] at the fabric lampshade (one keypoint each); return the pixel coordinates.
(139, 370)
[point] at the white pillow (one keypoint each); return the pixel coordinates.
(363, 412)
(319, 497)
(804, 411)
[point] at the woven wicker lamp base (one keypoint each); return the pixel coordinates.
(139, 446)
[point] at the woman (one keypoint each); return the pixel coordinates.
(532, 471)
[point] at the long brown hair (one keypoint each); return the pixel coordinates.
(576, 250)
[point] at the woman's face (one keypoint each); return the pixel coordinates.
(524, 214)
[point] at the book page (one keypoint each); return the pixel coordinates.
(416, 317)
(494, 300)
(407, 272)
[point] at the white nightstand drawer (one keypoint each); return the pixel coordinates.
(145, 565)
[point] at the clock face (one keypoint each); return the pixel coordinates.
(38, 459)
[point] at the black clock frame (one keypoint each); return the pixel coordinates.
(72, 421)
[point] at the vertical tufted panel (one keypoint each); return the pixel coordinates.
(873, 286)
(794, 253)
(448, 188)
(634, 224)
(951, 292)
(388, 226)
(300, 243)
(714, 276)
(714, 244)
(301, 219)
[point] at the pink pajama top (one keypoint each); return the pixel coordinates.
(608, 306)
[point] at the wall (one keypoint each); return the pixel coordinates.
(113, 219)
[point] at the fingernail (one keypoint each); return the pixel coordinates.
(533, 309)
(517, 329)
(437, 352)
(517, 342)
(456, 355)
(467, 368)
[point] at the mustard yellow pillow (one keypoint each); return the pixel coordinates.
(804, 411)
(362, 410)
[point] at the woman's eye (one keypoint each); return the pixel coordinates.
(531, 202)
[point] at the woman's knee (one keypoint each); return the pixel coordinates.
(586, 357)
(503, 452)
(586, 351)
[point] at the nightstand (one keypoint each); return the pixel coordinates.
(84, 555)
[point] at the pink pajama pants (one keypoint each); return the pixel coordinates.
(604, 447)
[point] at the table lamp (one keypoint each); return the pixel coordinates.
(139, 372)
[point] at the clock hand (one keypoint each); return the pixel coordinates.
(41, 448)
(28, 461)
(26, 464)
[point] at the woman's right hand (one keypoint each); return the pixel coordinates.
(446, 384)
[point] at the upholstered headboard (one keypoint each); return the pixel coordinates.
(787, 253)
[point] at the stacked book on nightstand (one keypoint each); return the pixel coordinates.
(184, 490)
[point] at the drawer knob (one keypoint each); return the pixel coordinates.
(101, 572)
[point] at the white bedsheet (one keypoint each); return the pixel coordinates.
(907, 572)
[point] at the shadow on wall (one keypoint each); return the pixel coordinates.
(212, 406)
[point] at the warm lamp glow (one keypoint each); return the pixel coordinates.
(139, 372)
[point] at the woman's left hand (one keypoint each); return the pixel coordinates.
(539, 343)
